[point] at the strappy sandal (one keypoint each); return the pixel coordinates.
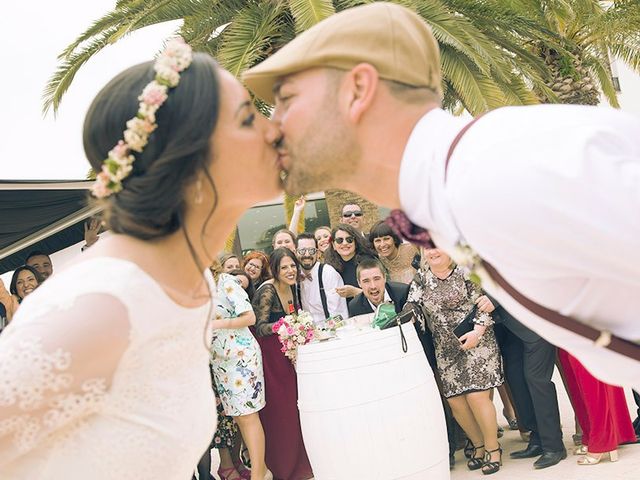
(490, 467)
(468, 449)
(475, 463)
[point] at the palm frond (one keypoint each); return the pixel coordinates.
(601, 73)
(307, 13)
(475, 90)
(249, 36)
(60, 81)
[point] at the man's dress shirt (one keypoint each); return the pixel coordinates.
(550, 196)
(310, 293)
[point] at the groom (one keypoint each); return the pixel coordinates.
(547, 194)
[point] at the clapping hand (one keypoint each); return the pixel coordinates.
(485, 305)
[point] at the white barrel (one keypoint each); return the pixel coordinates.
(370, 411)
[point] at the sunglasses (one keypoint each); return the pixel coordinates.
(307, 251)
(351, 214)
(340, 240)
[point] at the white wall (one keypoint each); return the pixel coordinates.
(629, 95)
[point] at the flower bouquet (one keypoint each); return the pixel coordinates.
(294, 330)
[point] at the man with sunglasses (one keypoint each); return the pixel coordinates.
(353, 215)
(319, 282)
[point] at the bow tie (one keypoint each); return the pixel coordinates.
(306, 275)
(402, 226)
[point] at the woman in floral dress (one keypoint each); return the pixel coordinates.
(469, 366)
(236, 362)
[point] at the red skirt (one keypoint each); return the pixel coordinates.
(601, 409)
(285, 453)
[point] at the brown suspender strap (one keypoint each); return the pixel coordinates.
(602, 339)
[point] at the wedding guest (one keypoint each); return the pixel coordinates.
(236, 362)
(353, 215)
(256, 264)
(602, 412)
(323, 237)
(529, 361)
(286, 454)
(92, 229)
(372, 279)
(345, 252)
(319, 282)
(41, 262)
(284, 238)
(24, 281)
(397, 257)
(229, 262)
(245, 282)
(469, 366)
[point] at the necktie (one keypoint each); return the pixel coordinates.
(404, 228)
(306, 275)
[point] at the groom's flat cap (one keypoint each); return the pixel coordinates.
(392, 38)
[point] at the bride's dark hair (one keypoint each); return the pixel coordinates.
(151, 204)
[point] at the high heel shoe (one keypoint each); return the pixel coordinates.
(581, 450)
(475, 463)
(490, 467)
(468, 449)
(594, 458)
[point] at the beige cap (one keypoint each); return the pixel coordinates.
(392, 38)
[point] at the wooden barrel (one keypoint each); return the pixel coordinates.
(370, 411)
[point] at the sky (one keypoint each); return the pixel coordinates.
(34, 33)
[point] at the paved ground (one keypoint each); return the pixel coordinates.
(628, 467)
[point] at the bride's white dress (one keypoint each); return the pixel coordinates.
(122, 393)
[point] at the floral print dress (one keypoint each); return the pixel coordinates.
(236, 359)
(446, 303)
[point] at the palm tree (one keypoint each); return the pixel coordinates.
(487, 47)
(589, 31)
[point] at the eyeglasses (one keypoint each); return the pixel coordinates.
(254, 266)
(351, 214)
(339, 240)
(307, 251)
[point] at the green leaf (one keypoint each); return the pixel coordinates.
(309, 12)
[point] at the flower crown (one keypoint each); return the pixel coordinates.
(176, 57)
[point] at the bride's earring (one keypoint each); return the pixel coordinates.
(198, 197)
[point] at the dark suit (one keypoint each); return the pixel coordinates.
(398, 292)
(528, 365)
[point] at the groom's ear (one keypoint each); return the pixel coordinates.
(361, 84)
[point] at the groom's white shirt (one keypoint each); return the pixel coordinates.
(550, 196)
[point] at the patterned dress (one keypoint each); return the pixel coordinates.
(236, 359)
(446, 303)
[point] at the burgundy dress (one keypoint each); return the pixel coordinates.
(286, 456)
(601, 409)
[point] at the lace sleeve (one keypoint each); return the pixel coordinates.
(56, 367)
(263, 302)
(475, 292)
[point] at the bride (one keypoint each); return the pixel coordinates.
(104, 369)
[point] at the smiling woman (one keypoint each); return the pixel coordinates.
(24, 281)
(397, 257)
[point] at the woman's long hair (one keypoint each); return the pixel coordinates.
(333, 258)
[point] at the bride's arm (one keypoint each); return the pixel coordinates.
(56, 367)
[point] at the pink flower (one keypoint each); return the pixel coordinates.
(154, 94)
(100, 188)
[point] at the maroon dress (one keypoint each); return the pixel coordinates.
(601, 409)
(286, 456)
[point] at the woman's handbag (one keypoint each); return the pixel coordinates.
(466, 325)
